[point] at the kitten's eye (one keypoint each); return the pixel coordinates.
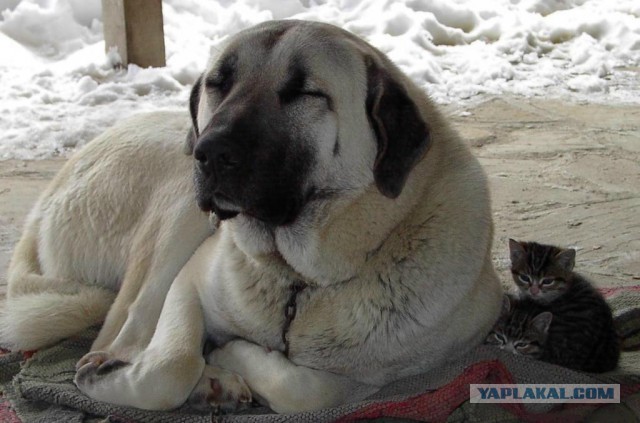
(494, 339)
(524, 278)
(520, 345)
(547, 281)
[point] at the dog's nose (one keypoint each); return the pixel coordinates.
(219, 160)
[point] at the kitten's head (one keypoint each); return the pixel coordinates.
(520, 330)
(541, 272)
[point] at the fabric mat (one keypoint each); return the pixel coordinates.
(38, 387)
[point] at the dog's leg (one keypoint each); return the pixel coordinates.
(282, 385)
(119, 313)
(155, 263)
(165, 373)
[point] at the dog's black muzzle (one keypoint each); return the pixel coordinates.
(243, 168)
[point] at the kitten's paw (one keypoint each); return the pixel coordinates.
(220, 390)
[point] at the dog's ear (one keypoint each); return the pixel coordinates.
(403, 137)
(194, 133)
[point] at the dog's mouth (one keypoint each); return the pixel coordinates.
(224, 214)
(221, 205)
(285, 213)
(224, 206)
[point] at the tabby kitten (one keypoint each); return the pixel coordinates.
(581, 333)
(541, 272)
(522, 328)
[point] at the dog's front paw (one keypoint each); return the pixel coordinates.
(153, 381)
(220, 390)
(94, 366)
(99, 359)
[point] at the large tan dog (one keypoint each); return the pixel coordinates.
(352, 245)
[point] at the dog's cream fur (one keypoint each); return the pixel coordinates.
(119, 214)
(396, 286)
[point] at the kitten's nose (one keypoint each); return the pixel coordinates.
(535, 289)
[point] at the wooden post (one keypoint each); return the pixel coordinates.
(134, 27)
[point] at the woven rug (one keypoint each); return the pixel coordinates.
(38, 387)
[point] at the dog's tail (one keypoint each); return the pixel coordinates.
(32, 321)
(39, 311)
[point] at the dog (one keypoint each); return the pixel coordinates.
(348, 241)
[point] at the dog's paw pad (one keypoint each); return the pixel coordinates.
(220, 390)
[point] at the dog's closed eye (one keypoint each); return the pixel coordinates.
(297, 87)
(222, 79)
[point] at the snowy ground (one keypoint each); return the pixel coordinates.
(59, 89)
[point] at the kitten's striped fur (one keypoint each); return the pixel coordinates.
(520, 329)
(581, 334)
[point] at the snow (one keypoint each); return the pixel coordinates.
(60, 89)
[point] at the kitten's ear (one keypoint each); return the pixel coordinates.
(194, 132)
(542, 322)
(402, 135)
(506, 305)
(566, 258)
(516, 251)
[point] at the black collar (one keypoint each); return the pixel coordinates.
(290, 311)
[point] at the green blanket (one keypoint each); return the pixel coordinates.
(39, 387)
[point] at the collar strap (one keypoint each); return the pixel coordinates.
(290, 310)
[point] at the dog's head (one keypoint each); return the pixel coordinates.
(291, 112)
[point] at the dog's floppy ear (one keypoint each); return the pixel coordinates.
(403, 137)
(194, 133)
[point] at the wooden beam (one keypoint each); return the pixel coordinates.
(135, 28)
